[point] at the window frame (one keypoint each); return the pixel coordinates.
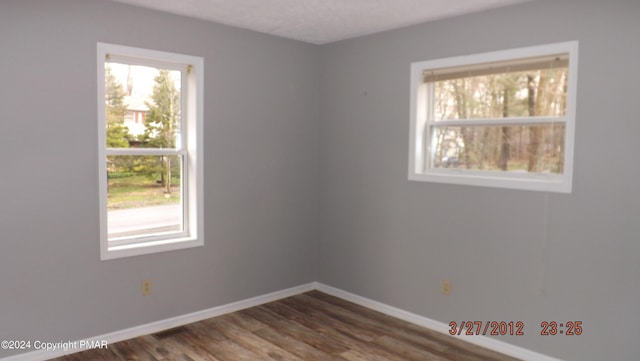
(190, 150)
(420, 168)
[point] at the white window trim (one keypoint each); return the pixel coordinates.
(510, 180)
(193, 170)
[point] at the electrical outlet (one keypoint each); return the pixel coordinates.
(146, 287)
(446, 287)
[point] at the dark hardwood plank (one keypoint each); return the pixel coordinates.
(348, 335)
(395, 327)
(363, 311)
(344, 315)
(322, 321)
(188, 349)
(308, 327)
(128, 351)
(460, 350)
(154, 347)
(421, 340)
(230, 351)
(295, 346)
(304, 334)
(248, 323)
(191, 347)
(249, 340)
(407, 350)
(204, 333)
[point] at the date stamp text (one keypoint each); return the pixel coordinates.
(513, 328)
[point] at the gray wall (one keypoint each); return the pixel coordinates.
(295, 133)
(261, 165)
(392, 240)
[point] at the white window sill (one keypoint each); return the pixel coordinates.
(138, 249)
(537, 182)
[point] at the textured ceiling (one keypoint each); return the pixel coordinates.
(320, 21)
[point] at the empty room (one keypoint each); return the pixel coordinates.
(312, 180)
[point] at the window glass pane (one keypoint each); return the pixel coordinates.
(541, 92)
(535, 149)
(142, 106)
(144, 195)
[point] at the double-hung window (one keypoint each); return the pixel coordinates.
(150, 150)
(501, 119)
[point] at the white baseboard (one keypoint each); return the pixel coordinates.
(149, 328)
(483, 341)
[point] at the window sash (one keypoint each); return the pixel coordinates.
(153, 63)
(496, 174)
(525, 121)
(433, 147)
(498, 67)
(184, 70)
(431, 76)
(184, 207)
(152, 237)
(146, 151)
(179, 150)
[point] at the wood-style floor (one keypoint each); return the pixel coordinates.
(308, 327)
